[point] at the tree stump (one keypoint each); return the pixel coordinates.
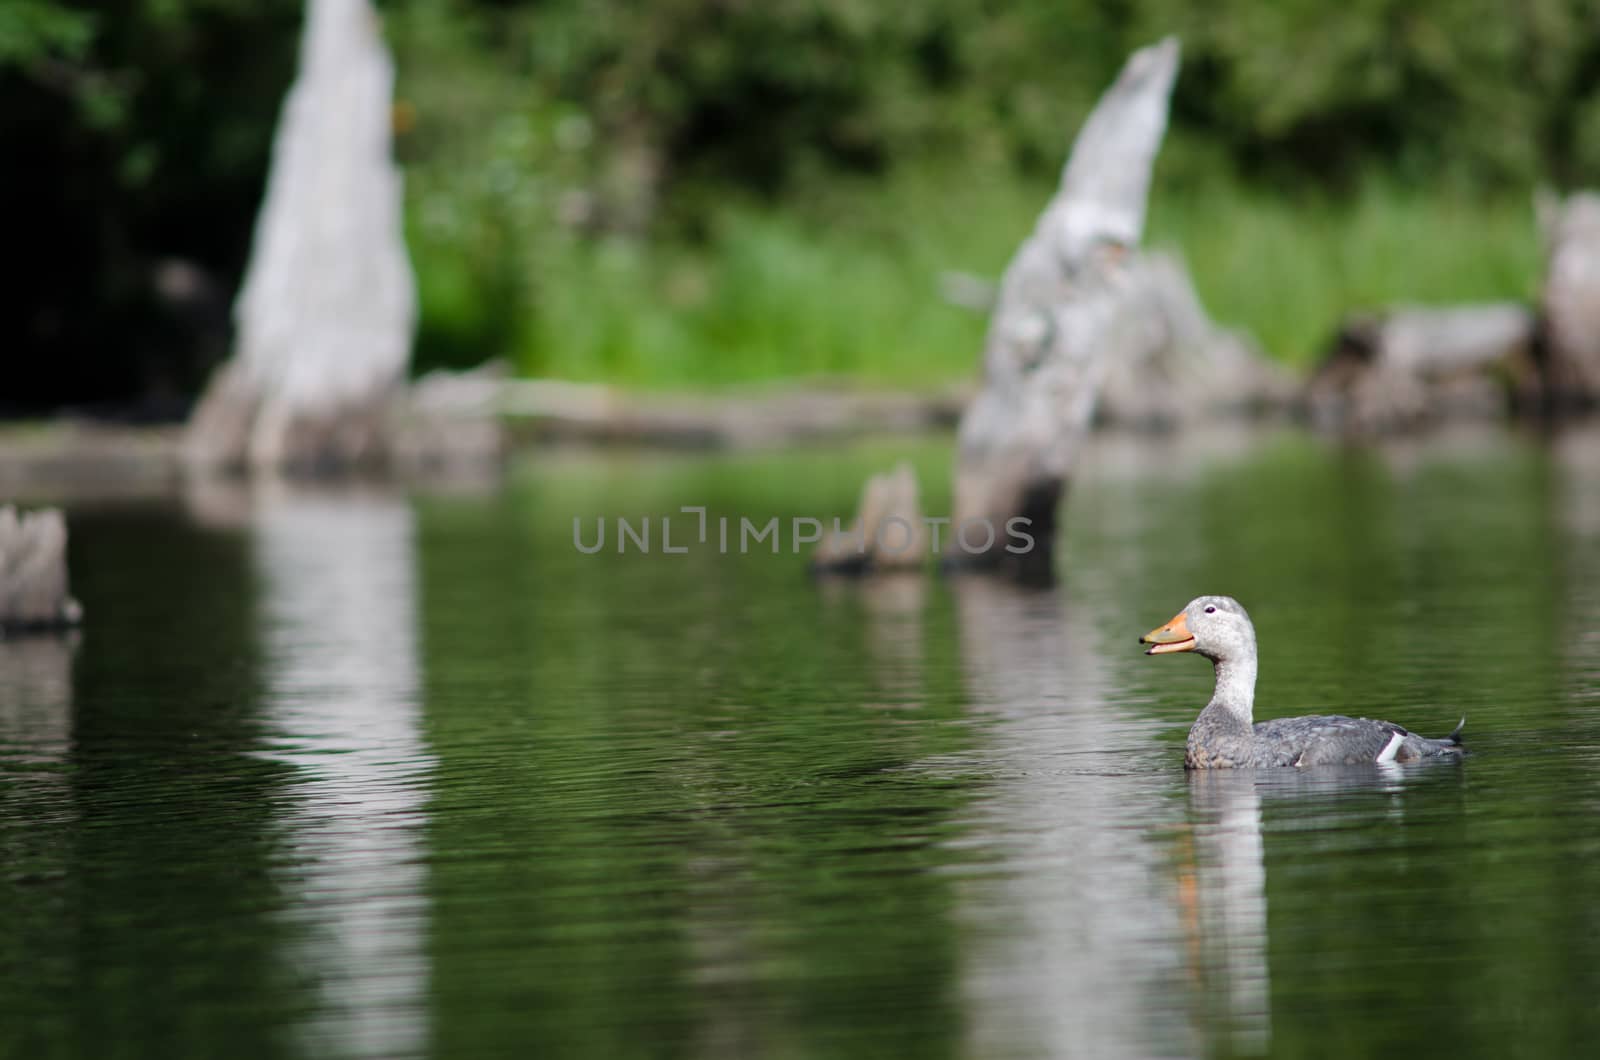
(327, 310)
(1062, 314)
(1569, 305)
(1185, 368)
(33, 571)
(889, 532)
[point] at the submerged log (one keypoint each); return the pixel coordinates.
(1569, 306)
(33, 571)
(1062, 313)
(1415, 364)
(889, 531)
(327, 310)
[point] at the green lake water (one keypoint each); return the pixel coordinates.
(365, 773)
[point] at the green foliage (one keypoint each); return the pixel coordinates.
(138, 132)
(702, 191)
(695, 193)
(34, 30)
(848, 282)
(1438, 89)
(1288, 267)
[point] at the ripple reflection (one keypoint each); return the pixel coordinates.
(342, 699)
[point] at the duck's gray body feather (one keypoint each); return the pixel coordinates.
(1313, 740)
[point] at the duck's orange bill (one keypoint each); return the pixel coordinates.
(1174, 636)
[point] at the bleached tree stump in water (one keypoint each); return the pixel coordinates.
(1061, 313)
(889, 532)
(327, 311)
(1569, 307)
(1067, 305)
(33, 571)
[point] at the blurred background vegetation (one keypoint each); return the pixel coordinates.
(694, 192)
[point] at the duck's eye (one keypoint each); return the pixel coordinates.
(1211, 609)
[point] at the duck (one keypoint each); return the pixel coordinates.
(1226, 736)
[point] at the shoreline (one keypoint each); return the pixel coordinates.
(467, 427)
(442, 429)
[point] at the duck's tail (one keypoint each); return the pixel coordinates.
(1448, 745)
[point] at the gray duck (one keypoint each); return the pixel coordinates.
(1225, 735)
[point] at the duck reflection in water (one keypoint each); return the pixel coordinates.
(1222, 893)
(1222, 877)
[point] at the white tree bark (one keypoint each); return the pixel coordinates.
(1063, 310)
(1570, 302)
(327, 311)
(33, 571)
(1184, 368)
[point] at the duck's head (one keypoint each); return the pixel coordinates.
(1214, 626)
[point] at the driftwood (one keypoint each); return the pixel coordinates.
(552, 410)
(33, 571)
(1062, 311)
(889, 532)
(327, 310)
(1569, 306)
(1412, 365)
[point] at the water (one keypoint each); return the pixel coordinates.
(368, 774)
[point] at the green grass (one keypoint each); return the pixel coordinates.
(1287, 270)
(772, 297)
(847, 283)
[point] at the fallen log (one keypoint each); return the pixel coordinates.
(33, 571)
(557, 411)
(1412, 365)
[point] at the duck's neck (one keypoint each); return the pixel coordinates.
(1236, 688)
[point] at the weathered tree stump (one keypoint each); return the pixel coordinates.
(889, 532)
(327, 310)
(1070, 302)
(1569, 306)
(1413, 365)
(33, 571)
(1062, 314)
(1184, 368)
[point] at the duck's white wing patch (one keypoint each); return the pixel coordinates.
(1393, 748)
